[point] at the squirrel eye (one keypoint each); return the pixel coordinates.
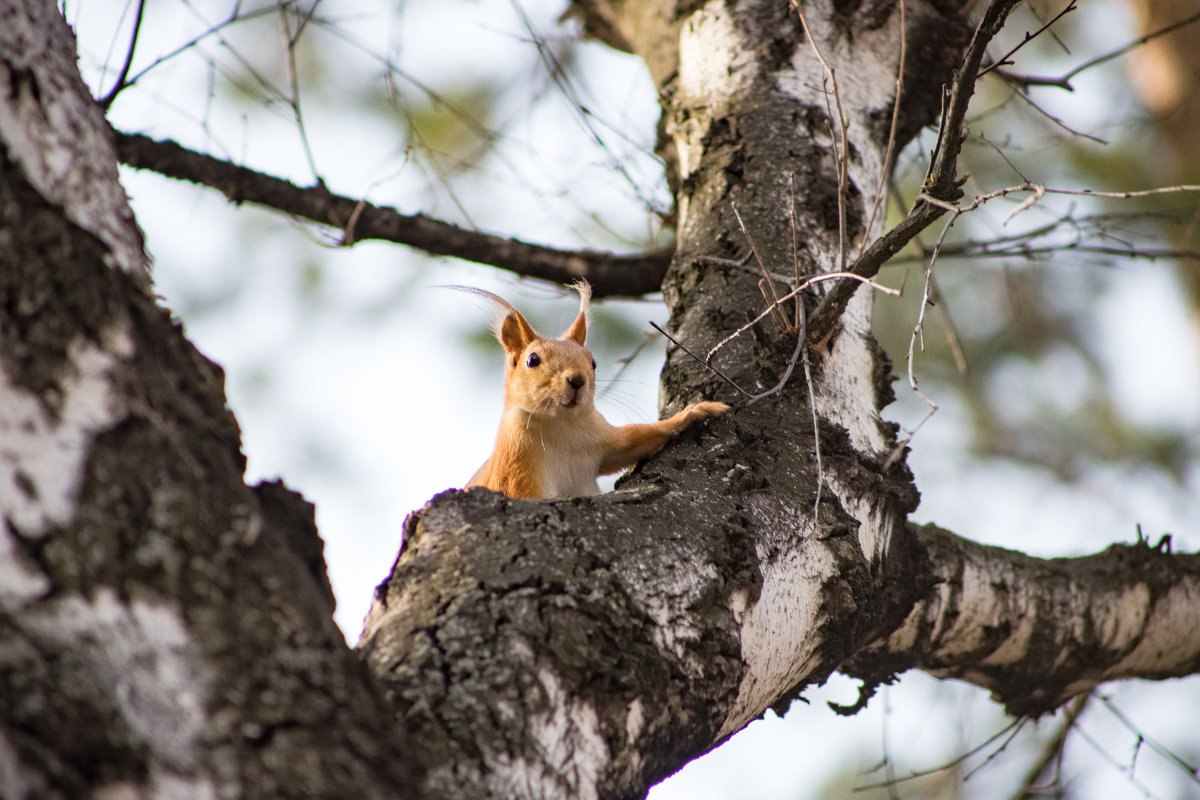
(533, 360)
(593, 365)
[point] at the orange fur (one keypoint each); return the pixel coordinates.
(552, 441)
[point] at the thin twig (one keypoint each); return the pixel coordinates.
(107, 100)
(950, 329)
(558, 74)
(1119, 767)
(889, 154)
(743, 264)
(761, 265)
(709, 367)
(812, 407)
(1052, 752)
(795, 239)
(992, 756)
(787, 374)
(212, 30)
(626, 362)
(1191, 769)
(290, 40)
(1014, 727)
(841, 159)
(1135, 43)
(1029, 37)
(941, 178)
(918, 334)
(807, 282)
(1058, 122)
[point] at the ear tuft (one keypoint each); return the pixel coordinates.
(578, 330)
(509, 326)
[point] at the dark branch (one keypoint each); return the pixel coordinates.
(120, 84)
(1006, 59)
(610, 274)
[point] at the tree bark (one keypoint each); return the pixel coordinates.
(167, 629)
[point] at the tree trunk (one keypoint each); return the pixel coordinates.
(167, 630)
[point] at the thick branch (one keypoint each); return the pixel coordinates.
(1037, 632)
(638, 629)
(610, 274)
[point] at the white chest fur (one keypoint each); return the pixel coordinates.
(571, 447)
(568, 472)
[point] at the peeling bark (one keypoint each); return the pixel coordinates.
(1037, 632)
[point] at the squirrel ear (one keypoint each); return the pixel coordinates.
(514, 333)
(578, 330)
(512, 330)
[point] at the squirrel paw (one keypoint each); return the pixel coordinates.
(699, 412)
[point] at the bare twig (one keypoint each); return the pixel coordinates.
(791, 366)
(795, 239)
(841, 157)
(1058, 123)
(1029, 37)
(235, 17)
(918, 335)
(1064, 81)
(1080, 228)
(1052, 752)
(559, 75)
(1118, 766)
(120, 83)
(1189, 20)
(626, 362)
(1192, 770)
(290, 41)
(710, 367)
(812, 407)
(941, 182)
(890, 153)
(807, 282)
(766, 275)
(951, 330)
(993, 755)
(1010, 730)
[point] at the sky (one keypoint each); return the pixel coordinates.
(358, 381)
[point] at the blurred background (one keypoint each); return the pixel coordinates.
(1063, 349)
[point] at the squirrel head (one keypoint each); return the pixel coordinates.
(546, 377)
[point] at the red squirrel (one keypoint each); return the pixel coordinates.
(552, 441)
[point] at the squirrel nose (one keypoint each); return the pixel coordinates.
(576, 381)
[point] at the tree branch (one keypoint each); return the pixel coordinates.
(642, 627)
(941, 182)
(1037, 632)
(610, 274)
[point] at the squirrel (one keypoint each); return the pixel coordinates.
(552, 441)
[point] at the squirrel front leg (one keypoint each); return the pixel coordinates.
(629, 444)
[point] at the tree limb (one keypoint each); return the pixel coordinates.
(1037, 632)
(610, 274)
(640, 628)
(941, 181)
